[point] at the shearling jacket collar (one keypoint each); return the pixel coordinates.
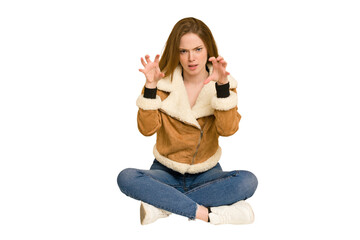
(177, 105)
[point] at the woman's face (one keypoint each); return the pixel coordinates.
(193, 54)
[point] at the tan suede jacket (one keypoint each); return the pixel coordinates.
(187, 138)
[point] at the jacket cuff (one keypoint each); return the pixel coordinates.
(224, 104)
(222, 91)
(150, 92)
(148, 103)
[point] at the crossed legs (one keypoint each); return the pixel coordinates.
(187, 195)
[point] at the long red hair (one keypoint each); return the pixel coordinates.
(170, 58)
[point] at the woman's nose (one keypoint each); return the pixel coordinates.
(191, 56)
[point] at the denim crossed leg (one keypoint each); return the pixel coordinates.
(180, 194)
(217, 188)
(158, 188)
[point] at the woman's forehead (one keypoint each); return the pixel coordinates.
(190, 41)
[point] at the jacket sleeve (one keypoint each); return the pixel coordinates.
(148, 117)
(225, 108)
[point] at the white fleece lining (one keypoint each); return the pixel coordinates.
(148, 103)
(202, 106)
(177, 104)
(188, 168)
(224, 104)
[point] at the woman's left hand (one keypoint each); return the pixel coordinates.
(219, 73)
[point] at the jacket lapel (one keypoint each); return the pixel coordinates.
(177, 104)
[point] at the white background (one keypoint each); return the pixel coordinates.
(69, 81)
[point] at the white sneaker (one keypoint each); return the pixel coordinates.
(149, 213)
(237, 213)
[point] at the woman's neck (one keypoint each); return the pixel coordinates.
(195, 79)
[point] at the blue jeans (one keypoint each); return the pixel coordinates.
(181, 194)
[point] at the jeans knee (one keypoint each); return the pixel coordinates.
(126, 178)
(255, 181)
(248, 181)
(252, 182)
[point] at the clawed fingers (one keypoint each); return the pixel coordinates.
(151, 69)
(217, 61)
(212, 59)
(157, 58)
(224, 63)
(147, 58)
(219, 58)
(143, 62)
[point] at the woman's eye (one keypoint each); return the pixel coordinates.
(182, 51)
(198, 49)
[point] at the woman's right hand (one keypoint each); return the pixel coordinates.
(151, 71)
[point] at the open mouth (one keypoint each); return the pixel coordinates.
(192, 66)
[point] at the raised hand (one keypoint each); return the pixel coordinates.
(219, 73)
(151, 71)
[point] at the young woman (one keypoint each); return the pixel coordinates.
(189, 100)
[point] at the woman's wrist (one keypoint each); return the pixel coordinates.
(150, 84)
(222, 82)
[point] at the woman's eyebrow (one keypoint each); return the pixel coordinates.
(188, 49)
